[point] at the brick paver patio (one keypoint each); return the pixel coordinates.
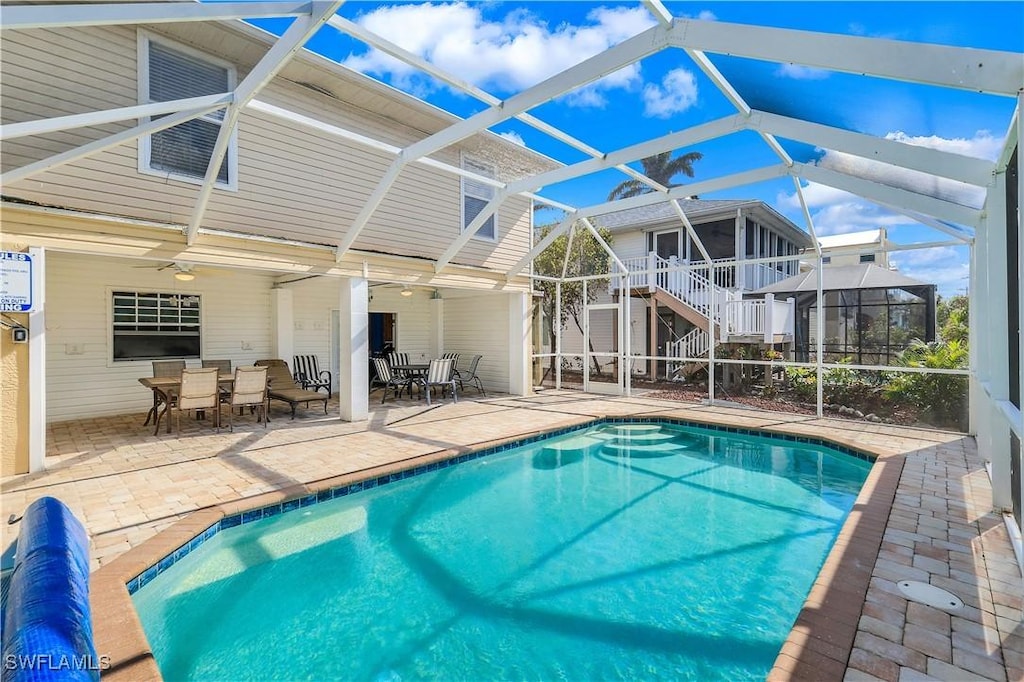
(925, 514)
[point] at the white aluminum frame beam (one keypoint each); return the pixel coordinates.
(604, 244)
(393, 50)
(12, 131)
(988, 71)
(88, 14)
(587, 71)
(302, 29)
(544, 243)
(884, 194)
(659, 11)
(807, 216)
(691, 232)
(967, 169)
(107, 142)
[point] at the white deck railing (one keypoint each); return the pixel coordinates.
(690, 283)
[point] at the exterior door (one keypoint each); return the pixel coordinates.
(666, 244)
(602, 344)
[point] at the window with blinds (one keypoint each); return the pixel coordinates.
(152, 326)
(184, 151)
(476, 195)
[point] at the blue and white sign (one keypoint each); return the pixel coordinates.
(15, 282)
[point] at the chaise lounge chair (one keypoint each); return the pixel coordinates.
(283, 386)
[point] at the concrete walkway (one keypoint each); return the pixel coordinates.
(925, 514)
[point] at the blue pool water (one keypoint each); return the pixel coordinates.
(618, 552)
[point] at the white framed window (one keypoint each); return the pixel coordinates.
(155, 326)
(170, 71)
(476, 195)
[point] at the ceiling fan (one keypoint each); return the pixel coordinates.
(183, 272)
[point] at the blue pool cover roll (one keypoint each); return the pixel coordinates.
(47, 624)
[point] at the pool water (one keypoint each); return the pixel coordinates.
(624, 551)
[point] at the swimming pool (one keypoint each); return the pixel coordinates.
(618, 551)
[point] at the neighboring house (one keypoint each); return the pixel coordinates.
(286, 241)
(853, 248)
(673, 311)
(870, 313)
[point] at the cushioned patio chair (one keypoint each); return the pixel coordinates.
(388, 379)
(283, 386)
(440, 373)
(467, 374)
(309, 374)
(249, 390)
(199, 391)
(164, 368)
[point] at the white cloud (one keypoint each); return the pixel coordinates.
(513, 137)
(510, 55)
(677, 93)
(801, 73)
(982, 146)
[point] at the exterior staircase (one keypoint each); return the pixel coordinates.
(690, 291)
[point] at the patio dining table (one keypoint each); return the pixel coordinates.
(162, 388)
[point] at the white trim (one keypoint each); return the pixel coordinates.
(481, 164)
(145, 147)
(114, 14)
(37, 364)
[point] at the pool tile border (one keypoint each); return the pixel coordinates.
(331, 493)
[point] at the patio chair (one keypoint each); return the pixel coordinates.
(309, 374)
(249, 390)
(199, 391)
(440, 373)
(396, 358)
(164, 368)
(454, 357)
(224, 368)
(468, 375)
(282, 386)
(389, 379)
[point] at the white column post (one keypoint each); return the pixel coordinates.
(436, 325)
(354, 350)
(37, 364)
(558, 334)
(519, 343)
(282, 332)
(741, 251)
(626, 330)
(769, 321)
(994, 347)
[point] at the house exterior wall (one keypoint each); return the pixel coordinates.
(292, 182)
(83, 380)
(479, 324)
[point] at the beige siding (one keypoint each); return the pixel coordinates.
(480, 325)
(293, 182)
(82, 378)
(630, 244)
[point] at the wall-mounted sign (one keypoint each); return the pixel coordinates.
(16, 282)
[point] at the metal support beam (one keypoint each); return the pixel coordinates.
(12, 131)
(884, 194)
(114, 14)
(114, 140)
(587, 71)
(691, 232)
(932, 161)
(489, 209)
(807, 216)
(659, 11)
(387, 47)
(988, 71)
(302, 29)
(604, 245)
(541, 245)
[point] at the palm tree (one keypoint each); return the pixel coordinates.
(660, 168)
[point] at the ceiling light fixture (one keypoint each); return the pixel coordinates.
(183, 276)
(406, 291)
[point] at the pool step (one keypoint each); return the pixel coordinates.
(644, 450)
(633, 428)
(643, 437)
(565, 452)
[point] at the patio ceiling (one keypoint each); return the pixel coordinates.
(943, 190)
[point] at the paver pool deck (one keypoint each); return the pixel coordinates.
(925, 514)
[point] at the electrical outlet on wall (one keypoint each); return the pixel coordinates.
(246, 345)
(74, 349)
(299, 326)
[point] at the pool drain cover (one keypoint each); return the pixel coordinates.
(930, 595)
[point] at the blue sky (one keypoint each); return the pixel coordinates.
(504, 47)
